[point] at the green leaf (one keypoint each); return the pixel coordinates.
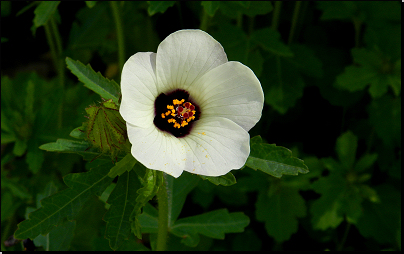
(20, 147)
(91, 4)
(149, 219)
(158, 6)
(61, 237)
(78, 133)
(122, 201)
(126, 164)
(180, 188)
(365, 162)
(282, 83)
(273, 160)
(72, 146)
(380, 220)
(306, 61)
(280, 208)
(270, 41)
(213, 224)
(44, 11)
(385, 116)
(346, 147)
(210, 7)
(225, 180)
(107, 89)
(66, 203)
(151, 181)
(233, 9)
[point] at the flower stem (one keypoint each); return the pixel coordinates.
(275, 15)
(162, 198)
(294, 21)
(119, 33)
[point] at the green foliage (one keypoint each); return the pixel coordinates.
(65, 204)
(107, 89)
(331, 76)
(273, 160)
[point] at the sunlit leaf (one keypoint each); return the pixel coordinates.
(107, 89)
(66, 203)
(273, 160)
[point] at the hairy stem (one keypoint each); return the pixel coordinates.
(119, 33)
(162, 233)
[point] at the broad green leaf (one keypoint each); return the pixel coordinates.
(66, 203)
(107, 89)
(210, 7)
(381, 220)
(122, 201)
(355, 78)
(225, 180)
(149, 219)
(179, 188)
(346, 147)
(78, 133)
(20, 147)
(280, 208)
(158, 6)
(61, 237)
(282, 83)
(126, 164)
(270, 41)
(306, 61)
(273, 160)
(385, 116)
(72, 146)
(44, 11)
(213, 224)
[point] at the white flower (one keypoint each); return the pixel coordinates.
(187, 108)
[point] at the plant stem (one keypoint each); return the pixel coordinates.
(275, 15)
(357, 25)
(119, 33)
(341, 245)
(294, 21)
(205, 21)
(162, 198)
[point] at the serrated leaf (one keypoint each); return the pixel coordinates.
(152, 180)
(107, 89)
(279, 209)
(61, 237)
(122, 201)
(72, 146)
(159, 6)
(273, 160)
(126, 164)
(66, 203)
(270, 41)
(44, 11)
(225, 180)
(213, 224)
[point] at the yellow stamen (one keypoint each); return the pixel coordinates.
(163, 115)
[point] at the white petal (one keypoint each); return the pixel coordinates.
(184, 56)
(139, 90)
(232, 91)
(218, 145)
(214, 147)
(156, 150)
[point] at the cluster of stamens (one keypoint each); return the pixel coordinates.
(181, 113)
